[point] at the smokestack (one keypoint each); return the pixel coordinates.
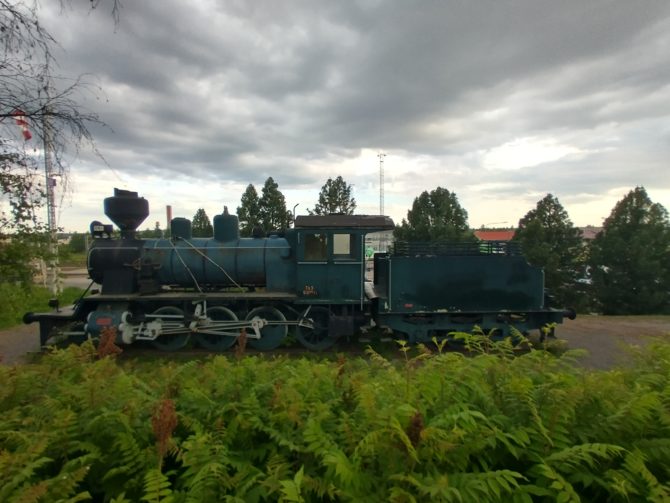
(168, 211)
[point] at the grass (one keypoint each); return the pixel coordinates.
(19, 300)
(71, 259)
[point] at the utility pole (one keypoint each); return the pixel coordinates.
(381, 155)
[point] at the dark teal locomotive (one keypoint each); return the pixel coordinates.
(309, 281)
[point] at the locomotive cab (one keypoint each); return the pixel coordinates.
(331, 257)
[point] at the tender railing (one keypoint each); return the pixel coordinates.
(449, 248)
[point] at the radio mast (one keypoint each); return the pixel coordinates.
(381, 156)
(382, 240)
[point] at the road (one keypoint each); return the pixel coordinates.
(77, 277)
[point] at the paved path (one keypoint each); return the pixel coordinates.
(606, 337)
(18, 341)
(75, 277)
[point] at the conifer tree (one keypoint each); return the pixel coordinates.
(335, 197)
(272, 207)
(550, 240)
(435, 216)
(630, 257)
(249, 211)
(201, 225)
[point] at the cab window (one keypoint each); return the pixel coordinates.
(344, 246)
(316, 247)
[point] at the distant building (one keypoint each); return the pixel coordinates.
(590, 232)
(495, 235)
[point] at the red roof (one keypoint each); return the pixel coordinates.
(495, 235)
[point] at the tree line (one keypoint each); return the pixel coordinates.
(624, 270)
(262, 214)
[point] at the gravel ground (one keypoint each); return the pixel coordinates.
(604, 337)
(16, 342)
(607, 337)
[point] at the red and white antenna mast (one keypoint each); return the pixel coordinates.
(381, 156)
(53, 270)
(382, 240)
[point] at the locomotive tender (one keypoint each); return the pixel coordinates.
(309, 280)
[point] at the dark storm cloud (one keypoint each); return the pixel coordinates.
(252, 89)
(419, 64)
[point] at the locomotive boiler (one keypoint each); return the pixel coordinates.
(131, 265)
(309, 280)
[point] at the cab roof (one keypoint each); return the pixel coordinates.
(364, 222)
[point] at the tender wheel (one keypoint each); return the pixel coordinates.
(174, 334)
(211, 337)
(316, 338)
(273, 333)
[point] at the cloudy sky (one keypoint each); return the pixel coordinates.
(498, 101)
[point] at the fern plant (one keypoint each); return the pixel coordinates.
(494, 424)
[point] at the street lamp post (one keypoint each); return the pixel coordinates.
(294, 207)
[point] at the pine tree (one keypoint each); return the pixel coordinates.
(550, 240)
(201, 225)
(630, 257)
(272, 207)
(335, 197)
(435, 216)
(249, 211)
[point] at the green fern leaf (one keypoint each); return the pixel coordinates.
(131, 458)
(156, 487)
(291, 489)
(579, 457)
(344, 468)
(121, 498)
(643, 479)
(398, 432)
(548, 478)
(23, 477)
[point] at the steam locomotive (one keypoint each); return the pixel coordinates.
(309, 280)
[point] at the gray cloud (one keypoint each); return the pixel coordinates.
(244, 90)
